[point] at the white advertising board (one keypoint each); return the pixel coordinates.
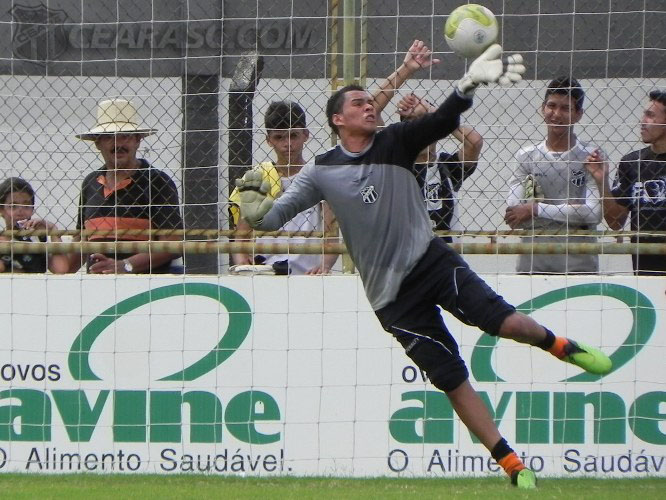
(273, 376)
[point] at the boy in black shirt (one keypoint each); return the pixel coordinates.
(639, 187)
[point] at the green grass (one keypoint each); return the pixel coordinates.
(154, 487)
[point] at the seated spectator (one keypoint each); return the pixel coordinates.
(17, 207)
(639, 188)
(286, 133)
(440, 175)
(125, 193)
(550, 189)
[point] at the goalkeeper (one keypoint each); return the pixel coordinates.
(407, 271)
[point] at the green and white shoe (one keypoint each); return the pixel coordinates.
(524, 479)
(588, 358)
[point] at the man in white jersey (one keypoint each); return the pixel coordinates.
(287, 133)
(550, 188)
(407, 272)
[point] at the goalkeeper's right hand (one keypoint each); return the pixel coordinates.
(489, 68)
(254, 202)
(532, 189)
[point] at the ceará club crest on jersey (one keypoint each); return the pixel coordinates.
(369, 194)
(577, 177)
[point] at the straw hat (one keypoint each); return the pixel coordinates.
(115, 116)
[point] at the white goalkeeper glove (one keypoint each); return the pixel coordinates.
(254, 203)
(532, 189)
(489, 68)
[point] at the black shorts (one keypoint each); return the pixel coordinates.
(441, 278)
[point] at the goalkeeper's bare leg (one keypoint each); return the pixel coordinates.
(474, 414)
(430, 345)
(522, 328)
(442, 278)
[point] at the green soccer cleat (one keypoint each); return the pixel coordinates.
(524, 479)
(590, 359)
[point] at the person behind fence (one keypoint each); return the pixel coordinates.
(406, 271)
(550, 189)
(639, 188)
(418, 56)
(125, 193)
(286, 134)
(17, 207)
(440, 175)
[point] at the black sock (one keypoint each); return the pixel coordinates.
(501, 450)
(548, 342)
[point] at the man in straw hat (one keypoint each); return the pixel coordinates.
(126, 193)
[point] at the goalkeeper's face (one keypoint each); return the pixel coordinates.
(358, 115)
(560, 113)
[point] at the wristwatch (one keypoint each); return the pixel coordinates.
(127, 265)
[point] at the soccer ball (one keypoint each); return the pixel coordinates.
(470, 29)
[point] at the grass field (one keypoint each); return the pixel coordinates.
(155, 487)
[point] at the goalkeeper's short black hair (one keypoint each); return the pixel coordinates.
(13, 185)
(282, 115)
(568, 87)
(335, 103)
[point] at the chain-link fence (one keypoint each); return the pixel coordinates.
(204, 73)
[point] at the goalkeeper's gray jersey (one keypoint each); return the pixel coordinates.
(571, 201)
(375, 198)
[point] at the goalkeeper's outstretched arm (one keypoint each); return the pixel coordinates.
(487, 68)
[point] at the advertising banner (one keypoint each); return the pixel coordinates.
(272, 375)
